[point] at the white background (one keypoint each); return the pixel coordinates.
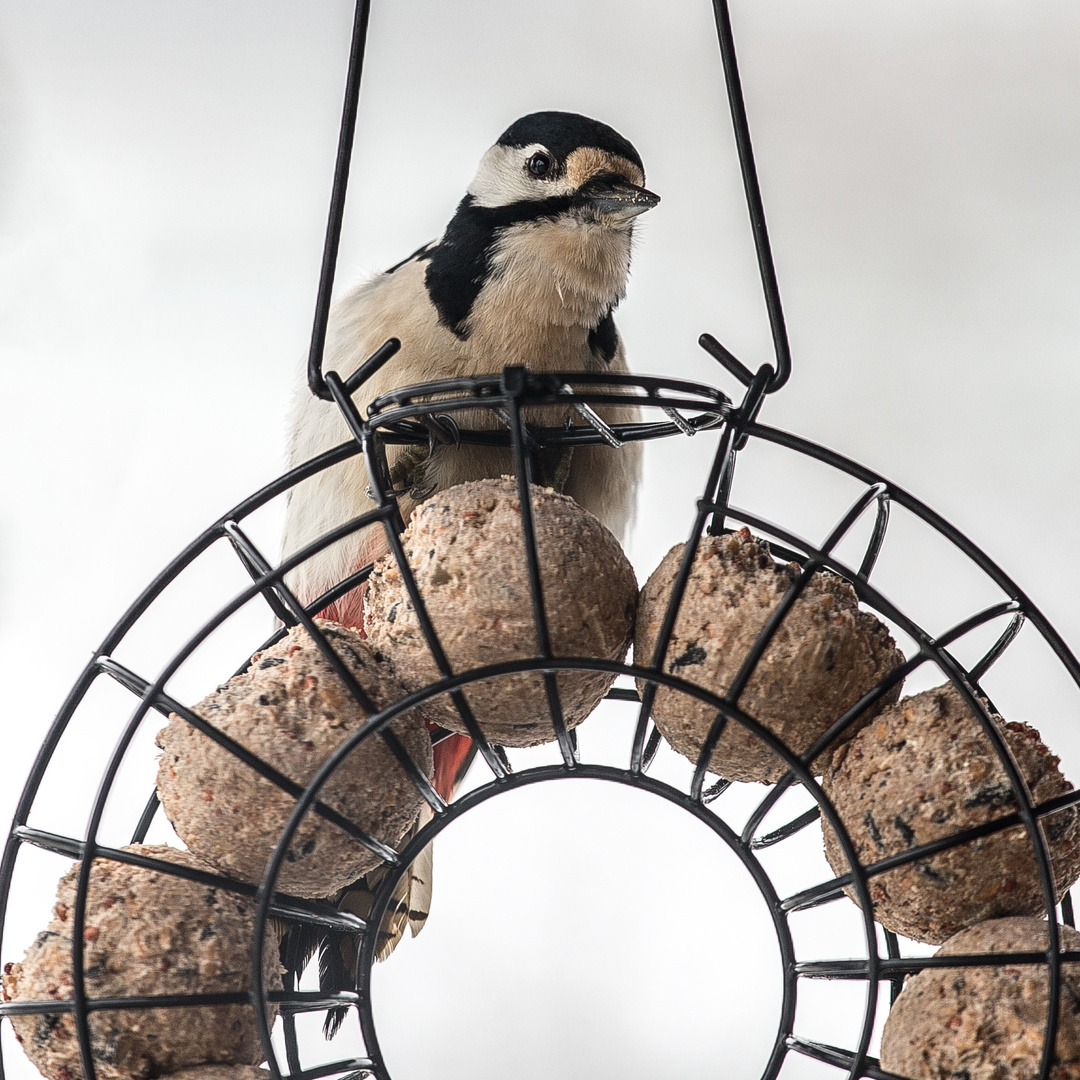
(164, 175)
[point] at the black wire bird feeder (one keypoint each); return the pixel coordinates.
(669, 408)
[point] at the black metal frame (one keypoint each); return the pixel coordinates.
(393, 420)
(688, 409)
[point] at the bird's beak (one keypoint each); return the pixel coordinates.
(616, 196)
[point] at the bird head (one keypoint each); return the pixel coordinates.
(543, 236)
(559, 165)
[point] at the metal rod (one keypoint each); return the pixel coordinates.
(393, 529)
(753, 196)
(290, 908)
(513, 382)
(897, 967)
(341, 669)
(337, 208)
(263, 768)
(294, 1002)
(857, 1065)
(146, 818)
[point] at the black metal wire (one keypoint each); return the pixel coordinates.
(754, 204)
(168, 705)
(514, 387)
(293, 1002)
(337, 199)
(723, 463)
(340, 668)
(899, 966)
(855, 1064)
(292, 909)
(380, 485)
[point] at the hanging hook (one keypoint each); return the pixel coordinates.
(753, 205)
(337, 201)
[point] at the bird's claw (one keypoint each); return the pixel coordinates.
(442, 430)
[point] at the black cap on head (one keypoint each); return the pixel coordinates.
(562, 132)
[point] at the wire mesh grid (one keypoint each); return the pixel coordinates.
(668, 408)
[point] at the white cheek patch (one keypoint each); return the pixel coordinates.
(503, 179)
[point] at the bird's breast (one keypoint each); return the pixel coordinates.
(552, 273)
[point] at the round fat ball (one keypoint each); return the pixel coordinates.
(985, 1023)
(825, 655)
(292, 710)
(466, 549)
(925, 770)
(146, 933)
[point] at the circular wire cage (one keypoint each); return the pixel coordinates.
(667, 408)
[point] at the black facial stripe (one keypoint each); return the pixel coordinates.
(562, 132)
(518, 213)
(460, 263)
(603, 339)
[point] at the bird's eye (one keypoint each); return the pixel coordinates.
(539, 165)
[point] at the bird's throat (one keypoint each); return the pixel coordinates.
(518, 271)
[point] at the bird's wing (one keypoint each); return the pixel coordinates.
(348, 609)
(420, 890)
(453, 756)
(339, 952)
(388, 305)
(410, 901)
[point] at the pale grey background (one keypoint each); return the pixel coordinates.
(165, 172)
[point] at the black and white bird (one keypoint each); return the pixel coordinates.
(528, 271)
